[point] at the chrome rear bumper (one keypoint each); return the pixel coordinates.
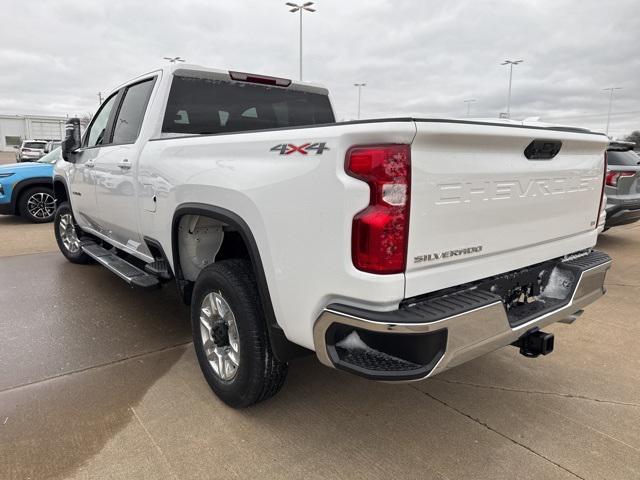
(469, 333)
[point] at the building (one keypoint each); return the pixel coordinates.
(15, 128)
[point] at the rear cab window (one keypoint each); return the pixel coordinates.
(199, 106)
(627, 159)
(34, 145)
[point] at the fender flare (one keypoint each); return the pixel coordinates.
(22, 185)
(60, 179)
(283, 349)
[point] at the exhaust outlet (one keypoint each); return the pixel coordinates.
(535, 343)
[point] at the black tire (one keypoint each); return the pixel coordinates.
(259, 374)
(34, 203)
(78, 256)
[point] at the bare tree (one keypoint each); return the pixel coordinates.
(634, 137)
(85, 119)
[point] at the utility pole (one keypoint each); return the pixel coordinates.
(610, 90)
(300, 8)
(469, 102)
(174, 59)
(359, 85)
(511, 63)
(99, 98)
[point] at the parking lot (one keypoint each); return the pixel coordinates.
(98, 381)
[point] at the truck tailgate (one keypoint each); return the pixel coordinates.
(480, 207)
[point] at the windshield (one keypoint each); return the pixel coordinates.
(36, 145)
(52, 157)
(627, 158)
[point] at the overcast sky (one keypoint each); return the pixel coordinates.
(418, 57)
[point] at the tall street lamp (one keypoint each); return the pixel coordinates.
(174, 59)
(469, 102)
(511, 63)
(300, 8)
(359, 85)
(610, 90)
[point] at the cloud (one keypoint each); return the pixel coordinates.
(418, 57)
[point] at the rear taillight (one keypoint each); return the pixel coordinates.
(380, 231)
(612, 177)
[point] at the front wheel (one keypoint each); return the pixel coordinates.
(68, 235)
(230, 335)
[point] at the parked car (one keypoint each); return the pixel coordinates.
(30, 150)
(52, 145)
(26, 188)
(394, 248)
(622, 184)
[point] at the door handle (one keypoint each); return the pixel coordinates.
(125, 164)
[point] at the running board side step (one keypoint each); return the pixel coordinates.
(129, 273)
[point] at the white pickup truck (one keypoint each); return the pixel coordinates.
(393, 248)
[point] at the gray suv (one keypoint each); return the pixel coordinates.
(622, 184)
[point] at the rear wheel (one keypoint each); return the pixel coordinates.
(68, 235)
(230, 335)
(37, 204)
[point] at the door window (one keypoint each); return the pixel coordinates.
(98, 129)
(129, 121)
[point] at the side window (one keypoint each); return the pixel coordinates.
(96, 135)
(131, 113)
(250, 113)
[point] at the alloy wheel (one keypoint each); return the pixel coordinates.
(41, 205)
(68, 233)
(219, 335)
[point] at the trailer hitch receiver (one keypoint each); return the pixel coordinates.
(535, 343)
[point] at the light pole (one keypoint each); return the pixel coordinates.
(610, 90)
(99, 98)
(511, 63)
(359, 85)
(174, 59)
(469, 102)
(300, 8)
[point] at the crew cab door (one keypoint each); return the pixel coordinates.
(116, 172)
(82, 173)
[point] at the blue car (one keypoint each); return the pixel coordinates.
(26, 189)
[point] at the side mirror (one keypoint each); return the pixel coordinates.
(71, 141)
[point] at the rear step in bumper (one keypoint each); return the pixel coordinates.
(129, 273)
(423, 339)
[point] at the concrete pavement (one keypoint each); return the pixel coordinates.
(100, 381)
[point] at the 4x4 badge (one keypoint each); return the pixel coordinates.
(289, 148)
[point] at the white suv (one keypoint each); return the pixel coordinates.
(30, 150)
